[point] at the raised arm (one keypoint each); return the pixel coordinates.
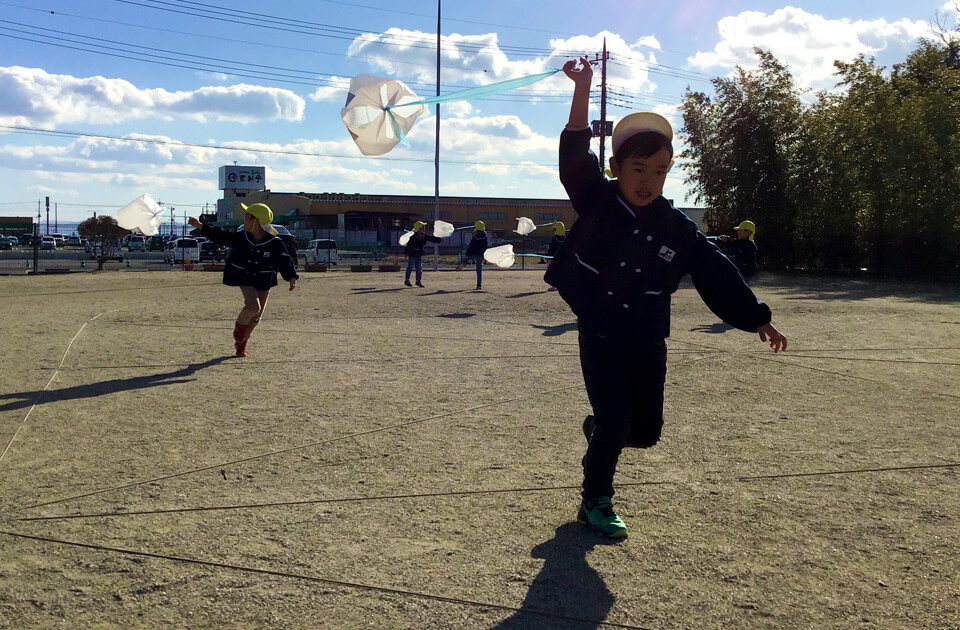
(582, 78)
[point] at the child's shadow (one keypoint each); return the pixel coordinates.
(555, 331)
(566, 589)
(21, 400)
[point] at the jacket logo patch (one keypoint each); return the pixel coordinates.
(666, 253)
(267, 254)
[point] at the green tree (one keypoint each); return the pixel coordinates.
(101, 230)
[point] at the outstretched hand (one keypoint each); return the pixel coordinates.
(194, 223)
(293, 284)
(583, 74)
(777, 341)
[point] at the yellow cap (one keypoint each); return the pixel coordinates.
(479, 225)
(559, 228)
(418, 226)
(264, 215)
(749, 226)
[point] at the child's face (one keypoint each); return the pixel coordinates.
(249, 222)
(743, 234)
(641, 180)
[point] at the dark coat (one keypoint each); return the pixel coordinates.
(620, 264)
(478, 244)
(417, 242)
(555, 244)
(252, 263)
(743, 253)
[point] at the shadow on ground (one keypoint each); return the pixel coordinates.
(19, 400)
(556, 331)
(568, 592)
(716, 328)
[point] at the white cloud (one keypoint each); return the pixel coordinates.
(806, 42)
(33, 97)
(335, 92)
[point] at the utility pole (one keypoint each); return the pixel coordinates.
(603, 104)
(436, 155)
(48, 216)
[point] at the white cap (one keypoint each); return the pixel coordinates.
(629, 126)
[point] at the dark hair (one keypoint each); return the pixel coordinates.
(643, 145)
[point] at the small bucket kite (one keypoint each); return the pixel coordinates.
(143, 213)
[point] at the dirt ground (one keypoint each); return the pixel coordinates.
(392, 457)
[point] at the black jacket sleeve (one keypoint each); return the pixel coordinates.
(285, 264)
(220, 236)
(723, 289)
(432, 238)
(579, 168)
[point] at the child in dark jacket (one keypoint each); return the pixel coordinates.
(622, 259)
(742, 250)
(559, 236)
(478, 245)
(414, 251)
(256, 255)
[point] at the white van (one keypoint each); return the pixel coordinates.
(181, 249)
(322, 251)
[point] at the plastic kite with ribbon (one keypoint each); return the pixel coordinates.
(526, 226)
(379, 112)
(143, 213)
(441, 229)
(503, 256)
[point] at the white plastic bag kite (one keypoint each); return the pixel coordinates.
(442, 229)
(405, 238)
(143, 213)
(365, 113)
(525, 226)
(379, 113)
(501, 256)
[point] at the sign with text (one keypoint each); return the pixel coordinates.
(243, 177)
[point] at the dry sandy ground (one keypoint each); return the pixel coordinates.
(409, 458)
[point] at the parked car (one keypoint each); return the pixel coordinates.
(181, 250)
(14, 240)
(5, 243)
(109, 249)
(155, 243)
(48, 242)
(135, 242)
(322, 251)
(288, 239)
(76, 241)
(211, 251)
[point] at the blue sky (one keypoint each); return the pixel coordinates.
(270, 79)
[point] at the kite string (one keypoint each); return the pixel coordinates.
(483, 90)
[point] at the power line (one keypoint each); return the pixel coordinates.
(77, 134)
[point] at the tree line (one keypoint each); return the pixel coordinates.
(867, 177)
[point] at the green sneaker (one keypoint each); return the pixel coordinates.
(589, 424)
(598, 514)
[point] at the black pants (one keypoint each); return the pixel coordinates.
(624, 379)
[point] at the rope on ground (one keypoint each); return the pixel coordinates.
(329, 581)
(40, 395)
(465, 493)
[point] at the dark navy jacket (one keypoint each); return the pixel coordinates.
(478, 244)
(620, 264)
(417, 242)
(252, 263)
(555, 244)
(743, 253)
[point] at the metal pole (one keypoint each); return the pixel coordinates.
(48, 216)
(603, 104)
(56, 218)
(436, 155)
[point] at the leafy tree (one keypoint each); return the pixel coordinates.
(101, 230)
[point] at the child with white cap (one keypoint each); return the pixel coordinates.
(256, 255)
(622, 259)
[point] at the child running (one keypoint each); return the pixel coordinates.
(256, 255)
(742, 250)
(414, 251)
(478, 245)
(622, 259)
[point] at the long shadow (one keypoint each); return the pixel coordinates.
(716, 328)
(443, 292)
(556, 331)
(527, 294)
(92, 390)
(457, 315)
(566, 585)
(366, 290)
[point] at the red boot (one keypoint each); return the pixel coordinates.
(240, 338)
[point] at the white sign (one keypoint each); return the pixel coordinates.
(243, 177)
